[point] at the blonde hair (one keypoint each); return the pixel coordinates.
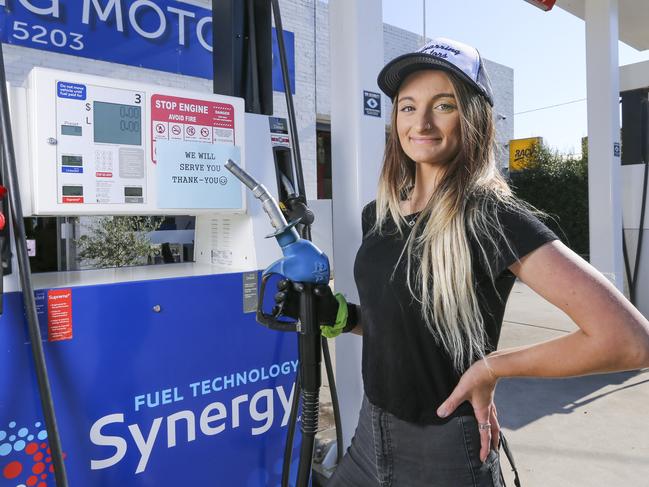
(463, 205)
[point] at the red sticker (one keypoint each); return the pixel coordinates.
(103, 174)
(73, 199)
(186, 119)
(59, 314)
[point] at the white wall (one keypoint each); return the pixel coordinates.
(634, 76)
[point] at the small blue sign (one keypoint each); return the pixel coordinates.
(372, 103)
(289, 45)
(71, 90)
(40, 298)
(166, 35)
(72, 169)
(193, 175)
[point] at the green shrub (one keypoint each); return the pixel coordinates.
(558, 185)
(117, 241)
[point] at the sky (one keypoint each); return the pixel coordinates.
(547, 51)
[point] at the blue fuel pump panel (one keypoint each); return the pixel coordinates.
(162, 382)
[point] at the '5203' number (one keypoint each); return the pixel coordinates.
(40, 35)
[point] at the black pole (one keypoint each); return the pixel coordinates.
(644, 136)
(290, 434)
(253, 63)
(310, 341)
(310, 378)
(334, 399)
(20, 239)
(627, 267)
(634, 284)
(295, 146)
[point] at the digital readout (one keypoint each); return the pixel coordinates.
(71, 130)
(72, 190)
(133, 191)
(115, 123)
(72, 160)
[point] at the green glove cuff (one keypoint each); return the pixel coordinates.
(332, 331)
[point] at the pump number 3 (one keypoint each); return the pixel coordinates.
(38, 34)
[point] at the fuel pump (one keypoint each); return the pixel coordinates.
(145, 362)
(146, 365)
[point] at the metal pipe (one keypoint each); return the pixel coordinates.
(9, 159)
(424, 20)
(261, 193)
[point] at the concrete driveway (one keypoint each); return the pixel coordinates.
(586, 431)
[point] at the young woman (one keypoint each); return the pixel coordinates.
(442, 246)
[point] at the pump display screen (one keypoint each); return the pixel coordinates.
(115, 123)
(72, 160)
(72, 190)
(71, 130)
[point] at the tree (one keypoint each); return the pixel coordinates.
(118, 241)
(558, 185)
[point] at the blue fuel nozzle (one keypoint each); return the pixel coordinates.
(302, 261)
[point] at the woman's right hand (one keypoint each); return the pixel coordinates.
(287, 301)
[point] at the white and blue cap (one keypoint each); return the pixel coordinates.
(439, 53)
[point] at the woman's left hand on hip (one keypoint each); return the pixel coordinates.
(477, 385)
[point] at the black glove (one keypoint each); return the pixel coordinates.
(287, 301)
(327, 307)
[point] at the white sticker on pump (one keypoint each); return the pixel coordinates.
(192, 175)
(131, 163)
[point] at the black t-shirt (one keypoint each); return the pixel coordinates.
(405, 372)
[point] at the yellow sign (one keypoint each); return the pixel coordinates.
(521, 152)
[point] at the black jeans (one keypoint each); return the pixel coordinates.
(389, 452)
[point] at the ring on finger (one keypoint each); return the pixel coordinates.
(484, 426)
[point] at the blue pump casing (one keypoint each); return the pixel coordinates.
(224, 381)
